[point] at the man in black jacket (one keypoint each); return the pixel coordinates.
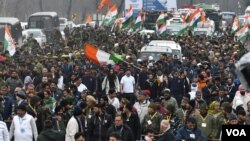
(108, 108)
(132, 120)
(167, 133)
(98, 125)
(123, 130)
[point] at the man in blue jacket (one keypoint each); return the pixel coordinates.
(190, 130)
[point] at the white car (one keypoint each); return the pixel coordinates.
(38, 34)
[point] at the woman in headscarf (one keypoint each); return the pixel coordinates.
(214, 108)
(111, 81)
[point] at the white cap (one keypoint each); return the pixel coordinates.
(139, 60)
(150, 58)
(116, 45)
(127, 57)
(150, 65)
(199, 64)
(238, 103)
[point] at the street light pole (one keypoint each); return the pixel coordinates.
(97, 19)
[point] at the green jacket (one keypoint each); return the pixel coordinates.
(207, 125)
(51, 135)
(180, 114)
(152, 122)
(219, 121)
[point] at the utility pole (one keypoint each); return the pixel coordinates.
(41, 5)
(69, 9)
(239, 8)
(97, 17)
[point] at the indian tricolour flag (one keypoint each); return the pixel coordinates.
(110, 16)
(186, 18)
(161, 26)
(138, 22)
(128, 18)
(235, 25)
(162, 29)
(9, 43)
(183, 30)
(161, 19)
(195, 18)
(100, 57)
(243, 33)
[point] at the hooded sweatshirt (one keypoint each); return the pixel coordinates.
(50, 135)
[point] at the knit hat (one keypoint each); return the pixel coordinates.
(21, 94)
(232, 117)
(171, 108)
(166, 91)
(203, 107)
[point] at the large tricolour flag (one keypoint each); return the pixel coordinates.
(161, 19)
(195, 18)
(128, 18)
(162, 29)
(161, 26)
(243, 33)
(235, 25)
(102, 4)
(100, 57)
(110, 16)
(138, 22)
(9, 43)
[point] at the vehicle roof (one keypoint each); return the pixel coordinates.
(156, 49)
(227, 12)
(169, 43)
(45, 13)
(147, 31)
(62, 18)
(30, 30)
(9, 20)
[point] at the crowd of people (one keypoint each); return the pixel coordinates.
(54, 92)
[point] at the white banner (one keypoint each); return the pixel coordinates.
(136, 4)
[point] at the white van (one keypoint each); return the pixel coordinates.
(175, 48)
(154, 51)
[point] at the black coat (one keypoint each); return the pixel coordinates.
(167, 136)
(134, 123)
(110, 109)
(98, 127)
(125, 132)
